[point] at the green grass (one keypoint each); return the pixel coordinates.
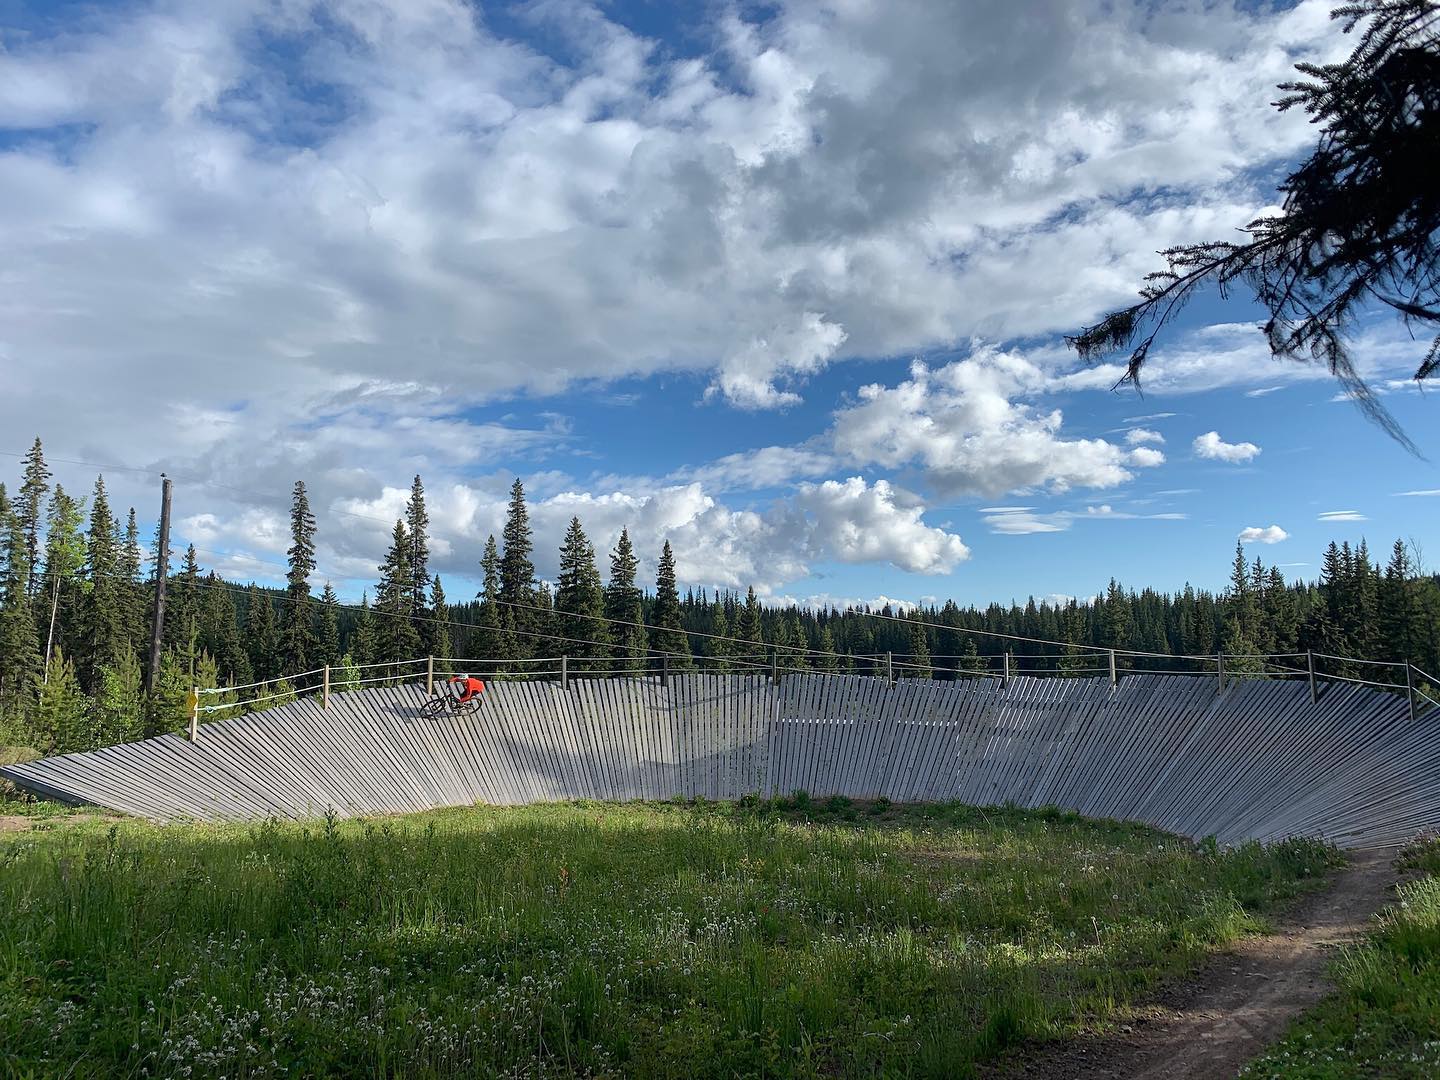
(668, 940)
(1384, 1018)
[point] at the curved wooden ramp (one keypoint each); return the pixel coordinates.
(1259, 761)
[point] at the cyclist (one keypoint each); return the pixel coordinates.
(464, 688)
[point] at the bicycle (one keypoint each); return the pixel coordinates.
(443, 704)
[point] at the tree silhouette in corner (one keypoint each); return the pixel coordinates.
(1359, 223)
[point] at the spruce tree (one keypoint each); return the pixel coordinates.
(327, 637)
(220, 634)
(970, 661)
(262, 638)
(102, 636)
(417, 525)
(580, 601)
(29, 504)
(1116, 622)
(1364, 631)
(20, 662)
(64, 561)
(1240, 601)
(667, 636)
(362, 637)
(183, 612)
(750, 626)
(624, 607)
(395, 635)
(1400, 621)
(63, 711)
(919, 651)
(718, 649)
(1073, 660)
(299, 635)
(132, 593)
(794, 647)
(437, 629)
(517, 577)
(827, 660)
(492, 641)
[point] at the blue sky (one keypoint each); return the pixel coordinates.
(784, 284)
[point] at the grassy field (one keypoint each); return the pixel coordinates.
(785, 939)
(1384, 1019)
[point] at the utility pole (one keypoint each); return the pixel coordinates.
(157, 631)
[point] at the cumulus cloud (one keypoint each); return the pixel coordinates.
(1137, 436)
(825, 183)
(1211, 446)
(387, 266)
(1270, 534)
(966, 425)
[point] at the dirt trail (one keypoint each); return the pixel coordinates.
(1237, 1003)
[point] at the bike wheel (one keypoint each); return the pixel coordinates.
(433, 709)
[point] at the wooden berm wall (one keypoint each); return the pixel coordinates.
(1258, 761)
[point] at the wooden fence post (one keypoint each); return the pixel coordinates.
(1310, 668)
(564, 673)
(1114, 680)
(1220, 669)
(429, 675)
(1410, 691)
(194, 713)
(325, 690)
(890, 667)
(664, 669)
(775, 666)
(1005, 670)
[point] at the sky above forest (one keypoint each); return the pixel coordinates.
(783, 283)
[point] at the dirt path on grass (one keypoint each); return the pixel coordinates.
(1236, 1003)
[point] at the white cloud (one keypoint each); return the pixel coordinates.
(1022, 521)
(848, 521)
(1342, 515)
(827, 183)
(1270, 534)
(382, 277)
(858, 522)
(1136, 436)
(1427, 492)
(1262, 391)
(966, 425)
(1211, 446)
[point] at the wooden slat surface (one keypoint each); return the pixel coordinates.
(1259, 760)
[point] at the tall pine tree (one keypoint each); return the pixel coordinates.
(102, 614)
(29, 505)
(327, 635)
(417, 526)
(580, 601)
(517, 577)
(667, 637)
(299, 634)
(437, 628)
(395, 635)
(624, 607)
